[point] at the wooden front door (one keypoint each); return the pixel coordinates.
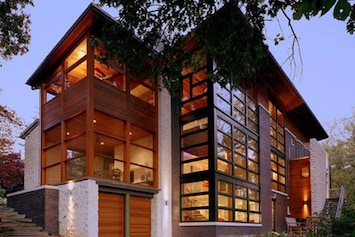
(111, 215)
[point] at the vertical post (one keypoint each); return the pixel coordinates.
(127, 221)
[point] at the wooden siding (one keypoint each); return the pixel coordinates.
(119, 104)
(72, 102)
(140, 212)
(111, 215)
(300, 196)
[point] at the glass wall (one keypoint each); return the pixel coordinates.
(231, 129)
(278, 161)
(72, 70)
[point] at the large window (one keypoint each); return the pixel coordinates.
(194, 88)
(278, 172)
(70, 72)
(239, 104)
(237, 152)
(277, 136)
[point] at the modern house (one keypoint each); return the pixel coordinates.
(111, 155)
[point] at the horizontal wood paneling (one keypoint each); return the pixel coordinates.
(109, 100)
(121, 105)
(75, 99)
(140, 212)
(299, 189)
(111, 215)
(51, 112)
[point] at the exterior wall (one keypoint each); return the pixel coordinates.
(78, 209)
(319, 170)
(162, 202)
(41, 205)
(32, 160)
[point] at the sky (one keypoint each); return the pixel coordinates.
(325, 77)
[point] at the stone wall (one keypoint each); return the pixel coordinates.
(32, 136)
(319, 169)
(41, 205)
(161, 203)
(78, 209)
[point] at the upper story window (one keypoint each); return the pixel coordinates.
(237, 152)
(277, 128)
(142, 87)
(70, 72)
(109, 70)
(240, 104)
(194, 88)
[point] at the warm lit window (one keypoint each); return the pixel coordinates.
(75, 65)
(239, 150)
(194, 87)
(239, 105)
(277, 130)
(195, 201)
(278, 172)
(247, 205)
(194, 138)
(143, 88)
(109, 70)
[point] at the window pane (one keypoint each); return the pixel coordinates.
(108, 146)
(195, 187)
(78, 53)
(195, 201)
(52, 136)
(224, 215)
(195, 152)
(76, 74)
(76, 168)
(224, 187)
(224, 201)
(141, 156)
(195, 166)
(53, 155)
(224, 166)
(241, 216)
(195, 125)
(195, 215)
(53, 174)
(76, 126)
(108, 168)
(141, 175)
(194, 139)
(109, 125)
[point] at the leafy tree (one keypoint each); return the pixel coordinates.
(14, 28)
(237, 50)
(10, 126)
(11, 172)
(341, 150)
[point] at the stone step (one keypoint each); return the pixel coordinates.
(20, 224)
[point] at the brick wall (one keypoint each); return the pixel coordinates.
(40, 205)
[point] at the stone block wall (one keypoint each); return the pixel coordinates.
(78, 209)
(319, 169)
(32, 160)
(161, 203)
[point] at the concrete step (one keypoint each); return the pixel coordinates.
(14, 224)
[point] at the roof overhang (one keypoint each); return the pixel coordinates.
(291, 102)
(91, 15)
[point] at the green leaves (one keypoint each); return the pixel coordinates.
(342, 10)
(14, 28)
